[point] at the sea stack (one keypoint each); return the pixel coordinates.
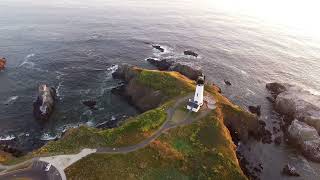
(44, 105)
(2, 63)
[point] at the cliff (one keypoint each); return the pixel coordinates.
(166, 140)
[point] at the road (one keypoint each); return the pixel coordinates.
(35, 172)
(59, 163)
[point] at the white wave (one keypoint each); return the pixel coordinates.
(158, 53)
(11, 99)
(113, 118)
(238, 70)
(157, 59)
(101, 124)
(113, 68)
(48, 137)
(7, 138)
(58, 90)
(90, 123)
(26, 61)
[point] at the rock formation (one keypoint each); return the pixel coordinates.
(168, 65)
(162, 65)
(290, 170)
(44, 105)
(303, 109)
(158, 47)
(255, 110)
(296, 103)
(307, 138)
(91, 104)
(228, 83)
(140, 96)
(2, 63)
(190, 53)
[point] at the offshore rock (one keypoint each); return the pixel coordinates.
(255, 109)
(2, 63)
(44, 105)
(162, 65)
(228, 83)
(190, 53)
(91, 104)
(158, 47)
(168, 65)
(290, 170)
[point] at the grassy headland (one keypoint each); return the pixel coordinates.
(201, 150)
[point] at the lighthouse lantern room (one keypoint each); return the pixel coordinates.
(196, 103)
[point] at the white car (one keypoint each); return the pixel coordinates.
(48, 167)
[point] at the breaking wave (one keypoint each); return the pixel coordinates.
(7, 138)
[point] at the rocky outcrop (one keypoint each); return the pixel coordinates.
(162, 65)
(190, 53)
(296, 103)
(91, 104)
(290, 170)
(2, 63)
(44, 105)
(244, 125)
(255, 110)
(307, 138)
(228, 83)
(168, 65)
(125, 72)
(158, 47)
(140, 96)
(301, 110)
(10, 147)
(276, 88)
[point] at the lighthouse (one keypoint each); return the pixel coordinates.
(195, 103)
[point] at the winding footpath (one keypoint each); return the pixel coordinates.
(61, 162)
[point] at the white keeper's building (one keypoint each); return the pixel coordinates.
(196, 103)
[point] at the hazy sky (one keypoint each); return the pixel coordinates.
(301, 14)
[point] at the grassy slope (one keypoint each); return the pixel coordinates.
(202, 150)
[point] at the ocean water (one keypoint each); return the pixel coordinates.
(74, 47)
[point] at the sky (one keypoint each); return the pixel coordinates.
(300, 14)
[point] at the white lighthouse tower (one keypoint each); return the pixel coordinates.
(195, 103)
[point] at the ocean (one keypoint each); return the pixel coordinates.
(74, 48)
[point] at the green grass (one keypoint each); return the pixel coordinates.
(171, 84)
(131, 132)
(202, 150)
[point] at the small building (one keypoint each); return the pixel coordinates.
(196, 103)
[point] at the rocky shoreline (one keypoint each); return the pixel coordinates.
(301, 112)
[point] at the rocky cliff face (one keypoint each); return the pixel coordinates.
(304, 109)
(142, 97)
(44, 105)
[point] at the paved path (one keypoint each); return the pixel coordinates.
(61, 162)
(35, 172)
